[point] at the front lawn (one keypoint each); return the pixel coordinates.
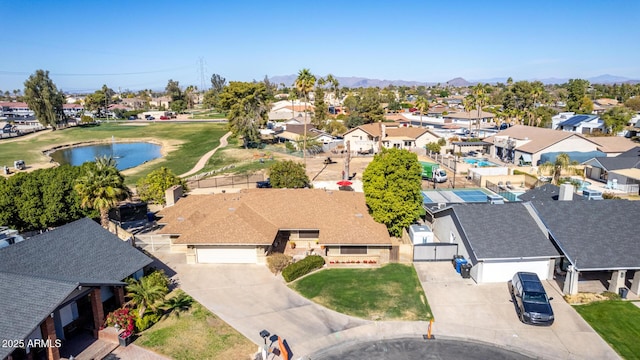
(617, 322)
(196, 334)
(391, 292)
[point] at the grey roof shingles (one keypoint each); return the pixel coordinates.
(619, 162)
(38, 274)
(81, 251)
(503, 231)
(596, 235)
(545, 192)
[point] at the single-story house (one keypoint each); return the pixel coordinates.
(524, 145)
(286, 109)
(595, 236)
(57, 283)
(613, 145)
(497, 239)
(581, 124)
(245, 227)
(599, 168)
(468, 118)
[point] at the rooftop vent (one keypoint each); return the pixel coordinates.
(359, 215)
(495, 199)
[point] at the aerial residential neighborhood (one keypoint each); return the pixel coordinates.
(407, 181)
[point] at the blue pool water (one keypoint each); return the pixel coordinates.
(480, 162)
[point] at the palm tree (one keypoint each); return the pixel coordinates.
(102, 188)
(304, 83)
(480, 94)
(335, 87)
(422, 104)
(177, 304)
(562, 163)
(144, 294)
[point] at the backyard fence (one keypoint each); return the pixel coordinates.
(434, 251)
(235, 181)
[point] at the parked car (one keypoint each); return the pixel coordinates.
(264, 184)
(151, 118)
(132, 117)
(530, 299)
(163, 117)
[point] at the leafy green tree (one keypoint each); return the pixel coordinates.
(143, 294)
(633, 103)
(151, 188)
(616, 118)
(392, 188)
(247, 109)
(41, 199)
(178, 106)
(577, 100)
(288, 174)
(335, 87)
(434, 147)
(479, 98)
(321, 111)
(174, 91)
(304, 84)
(335, 128)
(44, 98)
(102, 188)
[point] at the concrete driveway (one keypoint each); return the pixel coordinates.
(484, 312)
(250, 298)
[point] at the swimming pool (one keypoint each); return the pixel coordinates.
(480, 162)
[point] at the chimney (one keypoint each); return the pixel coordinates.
(173, 194)
(566, 192)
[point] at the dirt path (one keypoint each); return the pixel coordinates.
(203, 160)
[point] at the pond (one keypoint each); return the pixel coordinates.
(127, 155)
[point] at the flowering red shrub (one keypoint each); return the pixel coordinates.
(122, 318)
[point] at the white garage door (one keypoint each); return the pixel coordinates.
(226, 255)
(504, 271)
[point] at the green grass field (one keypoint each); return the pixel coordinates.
(196, 334)
(391, 292)
(194, 141)
(617, 322)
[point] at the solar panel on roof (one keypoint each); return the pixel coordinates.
(574, 120)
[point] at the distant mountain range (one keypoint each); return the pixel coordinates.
(354, 82)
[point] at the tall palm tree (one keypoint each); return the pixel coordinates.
(144, 294)
(304, 83)
(422, 104)
(480, 94)
(335, 87)
(102, 188)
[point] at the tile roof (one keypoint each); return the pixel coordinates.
(539, 138)
(407, 132)
(594, 235)
(503, 231)
(254, 216)
(613, 144)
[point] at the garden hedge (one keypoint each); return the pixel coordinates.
(302, 267)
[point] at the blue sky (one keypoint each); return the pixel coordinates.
(142, 44)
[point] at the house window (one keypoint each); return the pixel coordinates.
(308, 234)
(353, 250)
(407, 143)
(360, 137)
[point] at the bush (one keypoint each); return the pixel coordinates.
(157, 277)
(302, 267)
(146, 321)
(277, 262)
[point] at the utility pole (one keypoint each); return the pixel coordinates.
(347, 160)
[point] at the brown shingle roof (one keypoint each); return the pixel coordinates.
(406, 132)
(469, 115)
(373, 129)
(254, 216)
